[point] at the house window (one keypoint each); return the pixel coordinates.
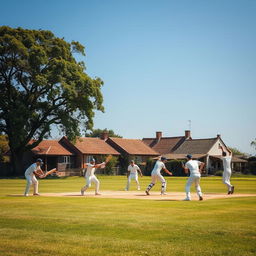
(65, 159)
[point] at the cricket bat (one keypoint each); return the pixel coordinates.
(108, 159)
(48, 173)
(103, 165)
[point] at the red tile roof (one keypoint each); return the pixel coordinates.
(50, 147)
(94, 146)
(133, 146)
(196, 146)
(164, 145)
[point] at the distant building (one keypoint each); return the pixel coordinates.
(134, 149)
(70, 158)
(206, 150)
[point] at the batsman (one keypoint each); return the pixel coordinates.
(90, 176)
(32, 171)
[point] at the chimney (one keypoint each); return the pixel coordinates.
(218, 136)
(158, 135)
(187, 134)
(104, 135)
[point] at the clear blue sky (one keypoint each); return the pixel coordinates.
(163, 62)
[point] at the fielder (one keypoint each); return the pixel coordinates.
(90, 176)
(195, 168)
(133, 170)
(227, 170)
(30, 174)
(156, 175)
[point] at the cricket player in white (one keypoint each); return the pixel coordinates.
(133, 170)
(227, 170)
(156, 175)
(32, 170)
(90, 176)
(195, 168)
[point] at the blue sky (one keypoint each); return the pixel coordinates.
(163, 62)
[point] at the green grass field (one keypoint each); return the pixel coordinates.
(74, 226)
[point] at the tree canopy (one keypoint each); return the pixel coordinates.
(42, 84)
(236, 151)
(98, 133)
(3, 148)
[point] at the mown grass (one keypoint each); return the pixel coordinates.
(71, 226)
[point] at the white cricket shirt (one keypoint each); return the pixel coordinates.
(133, 169)
(193, 166)
(32, 168)
(227, 163)
(90, 170)
(158, 167)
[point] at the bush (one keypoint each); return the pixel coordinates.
(175, 166)
(149, 167)
(109, 169)
(246, 171)
(252, 167)
(218, 173)
(252, 159)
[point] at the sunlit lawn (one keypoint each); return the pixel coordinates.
(75, 226)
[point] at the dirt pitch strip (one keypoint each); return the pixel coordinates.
(170, 196)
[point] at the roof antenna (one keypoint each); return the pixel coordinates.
(189, 124)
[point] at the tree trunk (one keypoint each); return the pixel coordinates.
(17, 163)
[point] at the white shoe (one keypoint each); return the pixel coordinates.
(187, 199)
(126, 189)
(25, 194)
(138, 188)
(163, 194)
(82, 193)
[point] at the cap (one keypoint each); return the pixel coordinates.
(163, 158)
(39, 160)
(189, 156)
(92, 159)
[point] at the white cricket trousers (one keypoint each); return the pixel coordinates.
(89, 181)
(31, 179)
(133, 177)
(155, 178)
(226, 178)
(190, 181)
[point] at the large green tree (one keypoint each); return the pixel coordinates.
(98, 133)
(42, 84)
(3, 148)
(253, 143)
(236, 151)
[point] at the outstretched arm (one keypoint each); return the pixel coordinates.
(99, 165)
(220, 147)
(48, 173)
(167, 171)
(229, 151)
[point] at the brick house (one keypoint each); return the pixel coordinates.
(86, 147)
(165, 145)
(206, 150)
(131, 149)
(53, 153)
